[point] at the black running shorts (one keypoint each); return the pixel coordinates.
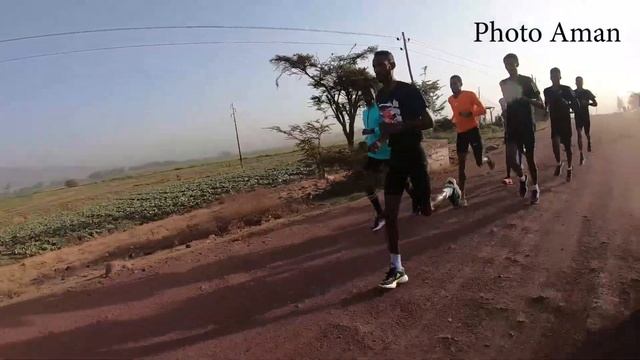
(373, 165)
(470, 138)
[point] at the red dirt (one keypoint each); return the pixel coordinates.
(499, 279)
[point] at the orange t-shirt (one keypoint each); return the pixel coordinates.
(465, 102)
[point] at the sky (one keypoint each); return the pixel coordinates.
(129, 106)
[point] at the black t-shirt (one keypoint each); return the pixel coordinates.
(559, 101)
(402, 101)
(519, 111)
(583, 96)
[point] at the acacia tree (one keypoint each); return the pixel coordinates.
(308, 138)
(431, 90)
(338, 82)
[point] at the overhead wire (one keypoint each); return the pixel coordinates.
(108, 48)
(141, 28)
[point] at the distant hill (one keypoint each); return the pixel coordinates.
(20, 177)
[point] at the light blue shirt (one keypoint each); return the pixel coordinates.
(371, 119)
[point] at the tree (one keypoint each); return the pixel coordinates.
(430, 89)
(7, 188)
(308, 137)
(71, 183)
(337, 81)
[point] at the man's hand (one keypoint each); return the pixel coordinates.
(374, 147)
(466, 114)
(391, 128)
(368, 131)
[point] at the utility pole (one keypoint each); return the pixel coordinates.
(233, 115)
(406, 53)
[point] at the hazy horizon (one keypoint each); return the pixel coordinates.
(131, 106)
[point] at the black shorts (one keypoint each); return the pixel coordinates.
(373, 165)
(470, 138)
(525, 140)
(583, 122)
(405, 165)
(562, 130)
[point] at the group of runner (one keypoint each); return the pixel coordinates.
(395, 117)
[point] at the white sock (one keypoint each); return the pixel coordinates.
(396, 262)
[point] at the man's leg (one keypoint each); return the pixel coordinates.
(478, 150)
(394, 187)
(533, 170)
(555, 144)
(587, 132)
(512, 158)
(579, 128)
(421, 183)
(566, 141)
(462, 176)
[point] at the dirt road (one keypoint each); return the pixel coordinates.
(499, 279)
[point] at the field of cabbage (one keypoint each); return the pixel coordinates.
(54, 231)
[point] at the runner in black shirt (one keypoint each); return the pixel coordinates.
(404, 116)
(520, 93)
(559, 100)
(585, 99)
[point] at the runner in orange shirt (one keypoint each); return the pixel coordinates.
(466, 109)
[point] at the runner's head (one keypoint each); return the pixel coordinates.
(579, 82)
(367, 96)
(383, 65)
(511, 63)
(456, 84)
(555, 76)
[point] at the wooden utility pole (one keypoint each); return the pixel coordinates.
(235, 124)
(406, 53)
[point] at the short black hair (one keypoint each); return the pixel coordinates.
(385, 53)
(455, 77)
(554, 70)
(511, 56)
(579, 77)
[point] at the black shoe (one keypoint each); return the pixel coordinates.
(582, 159)
(378, 223)
(589, 147)
(559, 169)
(569, 171)
(523, 187)
(393, 278)
(426, 210)
(535, 197)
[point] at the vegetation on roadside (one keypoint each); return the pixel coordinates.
(52, 232)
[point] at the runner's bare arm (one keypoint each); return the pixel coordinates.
(537, 102)
(478, 107)
(593, 100)
(422, 122)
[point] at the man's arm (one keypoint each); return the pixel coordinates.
(536, 102)
(478, 108)
(546, 101)
(574, 104)
(534, 98)
(593, 100)
(422, 122)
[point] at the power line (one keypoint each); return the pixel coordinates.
(173, 44)
(119, 29)
(448, 53)
(449, 61)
